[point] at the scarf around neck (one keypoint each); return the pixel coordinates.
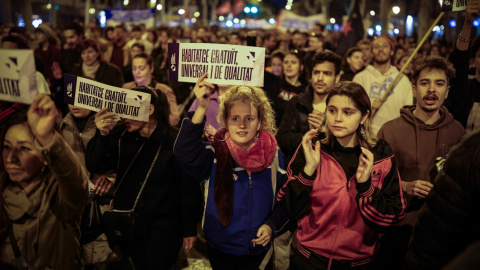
(90, 71)
(257, 159)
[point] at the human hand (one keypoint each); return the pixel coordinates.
(42, 117)
(210, 132)
(264, 235)
(473, 10)
(56, 71)
(103, 184)
(365, 165)
(377, 103)
(188, 242)
(202, 91)
(105, 121)
(312, 153)
(315, 119)
(417, 188)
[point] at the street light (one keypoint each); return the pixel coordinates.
(396, 10)
(372, 13)
(246, 9)
(332, 20)
(159, 7)
(254, 10)
(181, 11)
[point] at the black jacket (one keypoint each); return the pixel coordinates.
(168, 206)
(294, 123)
(449, 221)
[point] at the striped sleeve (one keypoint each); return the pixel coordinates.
(382, 206)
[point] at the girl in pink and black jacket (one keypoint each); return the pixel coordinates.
(343, 190)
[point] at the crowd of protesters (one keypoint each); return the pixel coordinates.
(353, 161)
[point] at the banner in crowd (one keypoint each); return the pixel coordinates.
(225, 64)
(17, 76)
(288, 20)
(130, 17)
(92, 95)
(455, 5)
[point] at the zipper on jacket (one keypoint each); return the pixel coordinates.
(250, 181)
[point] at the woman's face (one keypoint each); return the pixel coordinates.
(133, 125)
(291, 66)
(408, 69)
(343, 118)
(355, 61)
(22, 161)
(135, 50)
(243, 124)
(277, 66)
(40, 37)
(90, 56)
(142, 72)
(78, 112)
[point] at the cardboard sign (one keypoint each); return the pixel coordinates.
(454, 5)
(18, 81)
(225, 64)
(92, 95)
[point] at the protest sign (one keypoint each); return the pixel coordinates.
(288, 20)
(18, 81)
(130, 17)
(92, 95)
(225, 64)
(454, 5)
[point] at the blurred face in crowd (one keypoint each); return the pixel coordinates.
(163, 37)
(137, 35)
(135, 50)
(40, 37)
(355, 61)
(201, 33)
(408, 70)
(299, 41)
(110, 34)
(435, 50)
(71, 38)
(398, 53)
(431, 89)
(90, 56)
(78, 112)
(381, 50)
(234, 40)
(366, 51)
(324, 78)
(315, 44)
(277, 66)
(142, 72)
(292, 66)
(243, 124)
(22, 161)
(9, 45)
(119, 34)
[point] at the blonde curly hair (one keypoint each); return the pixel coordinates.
(253, 95)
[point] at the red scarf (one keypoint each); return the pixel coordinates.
(257, 159)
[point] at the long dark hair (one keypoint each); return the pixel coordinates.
(19, 117)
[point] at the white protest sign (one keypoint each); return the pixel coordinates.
(92, 95)
(17, 76)
(288, 20)
(455, 5)
(225, 64)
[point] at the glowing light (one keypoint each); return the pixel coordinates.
(181, 11)
(254, 10)
(372, 12)
(287, 7)
(159, 7)
(91, 11)
(332, 20)
(196, 14)
(452, 23)
(125, 2)
(103, 18)
(153, 1)
(370, 31)
(378, 27)
(221, 18)
(246, 9)
(194, 20)
(476, 23)
(396, 10)
(243, 21)
(36, 22)
(436, 28)
(272, 21)
(409, 19)
(49, 6)
(235, 20)
(396, 31)
(229, 23)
